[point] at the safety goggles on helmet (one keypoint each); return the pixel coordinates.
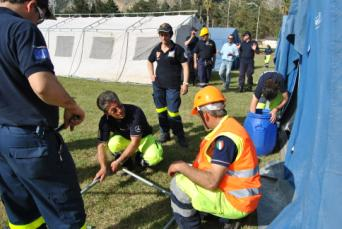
(212, 107)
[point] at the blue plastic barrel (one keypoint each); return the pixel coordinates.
(262, 132)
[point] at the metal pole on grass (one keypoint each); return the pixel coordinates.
(149, 183)
(89, 186)
(146, 182)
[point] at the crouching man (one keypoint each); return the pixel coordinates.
(132, 135)
(224, 179)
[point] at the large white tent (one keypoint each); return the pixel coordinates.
(108, 48)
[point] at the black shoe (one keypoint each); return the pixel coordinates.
(240, 89)
(140, 162)
(164, 137)
(249, 88)
(182, 141)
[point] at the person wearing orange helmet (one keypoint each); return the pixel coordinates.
(224, 179)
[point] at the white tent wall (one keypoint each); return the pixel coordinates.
(109, 48)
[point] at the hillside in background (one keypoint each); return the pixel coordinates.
(264, 16)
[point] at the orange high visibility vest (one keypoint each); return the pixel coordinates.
(241, 183)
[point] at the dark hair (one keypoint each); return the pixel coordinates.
(105, 98)
(270, 89)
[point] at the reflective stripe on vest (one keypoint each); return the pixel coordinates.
(242, 193)
(244, 173)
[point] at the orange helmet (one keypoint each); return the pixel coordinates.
(207, 95)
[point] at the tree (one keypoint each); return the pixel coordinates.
(144, 6)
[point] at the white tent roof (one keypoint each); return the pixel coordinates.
(109, 48)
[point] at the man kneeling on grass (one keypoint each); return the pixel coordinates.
(224, 180)
(132, 136)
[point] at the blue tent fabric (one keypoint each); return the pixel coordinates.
(219, 35)
(314, 158)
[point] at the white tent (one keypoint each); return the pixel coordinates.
(108, 48)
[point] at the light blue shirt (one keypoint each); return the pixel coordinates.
(229, 51)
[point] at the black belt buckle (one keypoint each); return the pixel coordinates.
(40, 131)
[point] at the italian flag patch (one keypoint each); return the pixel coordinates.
(219, 145)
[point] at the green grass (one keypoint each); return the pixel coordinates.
(121, 201)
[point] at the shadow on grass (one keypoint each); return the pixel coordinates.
(155, 215)
(82, 144)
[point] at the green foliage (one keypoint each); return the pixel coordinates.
(145, 6)
(98, 7)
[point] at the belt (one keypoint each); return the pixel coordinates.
(39, 129)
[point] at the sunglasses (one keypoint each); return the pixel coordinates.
(41, 15)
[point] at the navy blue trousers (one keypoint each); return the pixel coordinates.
(246, 68)
(38, 179)
(167, 102)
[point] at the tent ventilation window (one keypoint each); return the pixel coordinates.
(144, 46)
(102, 48)
(64, 46)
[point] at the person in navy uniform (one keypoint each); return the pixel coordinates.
(167, 84)
(204, 57)
(247, 50)
(132, 135)
(190, 44)
(38, 181)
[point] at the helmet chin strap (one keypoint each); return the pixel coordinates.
(203, 120)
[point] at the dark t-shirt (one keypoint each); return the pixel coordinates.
(205, 49)
(277, 77)
(23, 53)
(191, 46)
(133, 124)
(246, 53)
(169, 65)
(225, 151)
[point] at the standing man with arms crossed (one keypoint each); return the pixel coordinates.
(38, 181)
(167, 86)
(228, 52)
(204, 57)
(224, 179)
(190, 43)
(247, 50)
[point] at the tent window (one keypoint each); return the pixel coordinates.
(144, 46)
(64, 46)
(102, 48)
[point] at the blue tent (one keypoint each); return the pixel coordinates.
(219, 35)
(310, 52)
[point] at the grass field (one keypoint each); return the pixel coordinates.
(121, 201)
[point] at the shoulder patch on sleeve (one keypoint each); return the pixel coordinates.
(219, 144)
(41, 53)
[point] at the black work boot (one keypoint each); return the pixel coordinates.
(164, 137)
(140, 162)
(182, 141)
(249, 88)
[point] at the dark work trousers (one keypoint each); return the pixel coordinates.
(38, 180)
(204, 72)
(192, 71)
(167, 102)
(246, 67)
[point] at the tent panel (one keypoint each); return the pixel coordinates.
(64, 46)
(102, 48)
